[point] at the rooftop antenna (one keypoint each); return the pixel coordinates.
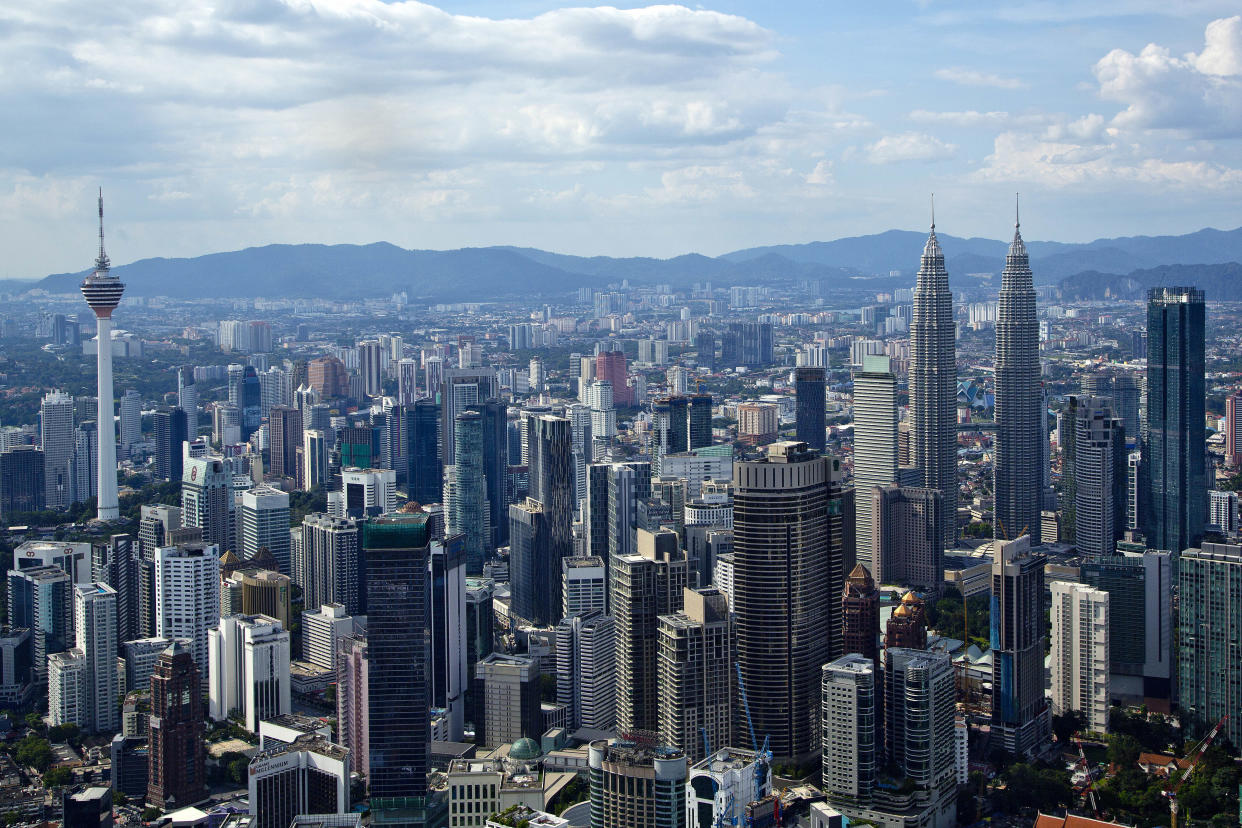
(101, 262)
(1017, 219)
(933, 210)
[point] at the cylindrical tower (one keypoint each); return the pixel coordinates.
(103, 293)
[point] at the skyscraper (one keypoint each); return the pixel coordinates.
(1233, 429)
(933, 382)
(284, 427)
(422, 434)
(177, 775)
(95, 621)
(187, 595)
(264, 524)
(860, 614)
(695, 673)
(446, 596)
(248, 658)
(610, 367)
(1098, 450)
(1079, 658)
(636, 786)
(103, 293)
(396, 549)
(790, 551)
(1174, 451)
(809, 388)
(586, 669)
(875, 447)
(131, 419)
(85, 455)
(906, 536)
(22, 486)
(207, 500)
(851, 708)
(56, 436)
(250, 402)
(462, 387)
(495, 416)
(1140, 622)
(332, 568)
(1018, 399)
(700, 420)
(465, 491)
(171, 430)
(1208, 628)
(1020, 720)
(187, 399)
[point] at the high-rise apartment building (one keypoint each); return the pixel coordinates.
(332, 568)
(85, 456)
(56, 437)
(284, 429)
(1020, 717)
(694, 669)
(790, 540)
(353, 727)
(875, 447)
(1080, 661)
(635, 786)
(1019, 407)
(920, 707)
(1174, 450)
(131, 419)
(610, 367)
(1233, 429)
(810, 399)
(933, 382)
(1208, 629)
(177, 773)
(187, 596)
(645, 585)
(1099, 452)
(850, 713)
(95, 622)
(396, 547)
(586, 669)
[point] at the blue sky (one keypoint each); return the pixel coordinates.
(621, 130)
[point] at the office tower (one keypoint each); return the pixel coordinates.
(1174, 450)
(407, 382)
(95, 621)
(371, 368)
(748, 344)
(536, 562)
(1233, 429)
(1126, 402)
(860, 614)
(177, 775)
(187, 399)
(235, 380)
(851, 710)
(85, 451)
(357, 446)
(433, 376)
(480, 626)
(22, 488)
(1020, 720)
(226, 424)
(103, 292)
(875, 447)
(322, 631)
(586, 669)
(705, 350)
(700, 421)
(284, 426)
(907, 626)
(920, 707)
(253, 591)
(1080, 660)
(364, 492)
(328, 376)
(352, 704)
(310, 776)
(332, 568)
(1140, 622)
(131, 419)
(610, 367)
(1209, 670)
(249, 669)
(670, 424)
(636, 786)
(465, 491)
(694, 672)
(614, 492)
(314, 461)
(462, 387)
(207, 499)
(906, 536)
(809, 389)
(250, 402)
(495, 416)
(790, 539)
(933, 383)
(447, 601)
(583, 448)
(645, 585)
(583, 585)
(422, 433)
(1018, 399)
(187, 595)
(1099, 443)
(509, 686)
(41, 600)
(171, 430)
(530, 558)
(264, 523)
(56, 437)
(398, 687)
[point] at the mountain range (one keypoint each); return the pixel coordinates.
(878, 261)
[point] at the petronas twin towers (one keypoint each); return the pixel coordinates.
(933, 392)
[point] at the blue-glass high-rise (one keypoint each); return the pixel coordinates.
(468, 512)
(425, 476)
(251, 402)
(1174, 465)
(398, 652)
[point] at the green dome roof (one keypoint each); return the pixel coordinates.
(525, 748)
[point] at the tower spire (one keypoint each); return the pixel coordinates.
(933, 212)
(102, 264)
(1017, 217)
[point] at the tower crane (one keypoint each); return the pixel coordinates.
(1196, 755)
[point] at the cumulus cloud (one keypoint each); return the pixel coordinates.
(971, 77)
(909, 146)
(1199, 95)
(969, 118)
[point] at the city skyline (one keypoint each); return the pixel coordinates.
(637, 131)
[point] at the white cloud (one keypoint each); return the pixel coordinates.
(909, 146)
(971, 77)
(969, 118)
(821, 175)
(1195, 95)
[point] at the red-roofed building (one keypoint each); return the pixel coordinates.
(1073, 821)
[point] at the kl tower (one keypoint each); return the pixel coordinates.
(103, 293)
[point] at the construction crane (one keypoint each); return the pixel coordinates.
(763, 756)
(1089, 788)
(1195, 755)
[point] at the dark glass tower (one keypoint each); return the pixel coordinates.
(543, 526)
(1173, 466)
(170, 433)
(398, 689)
(177, 775)
(700, 420)
(495, 464)
(251, 402)
(810, 387)
(422, 433)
